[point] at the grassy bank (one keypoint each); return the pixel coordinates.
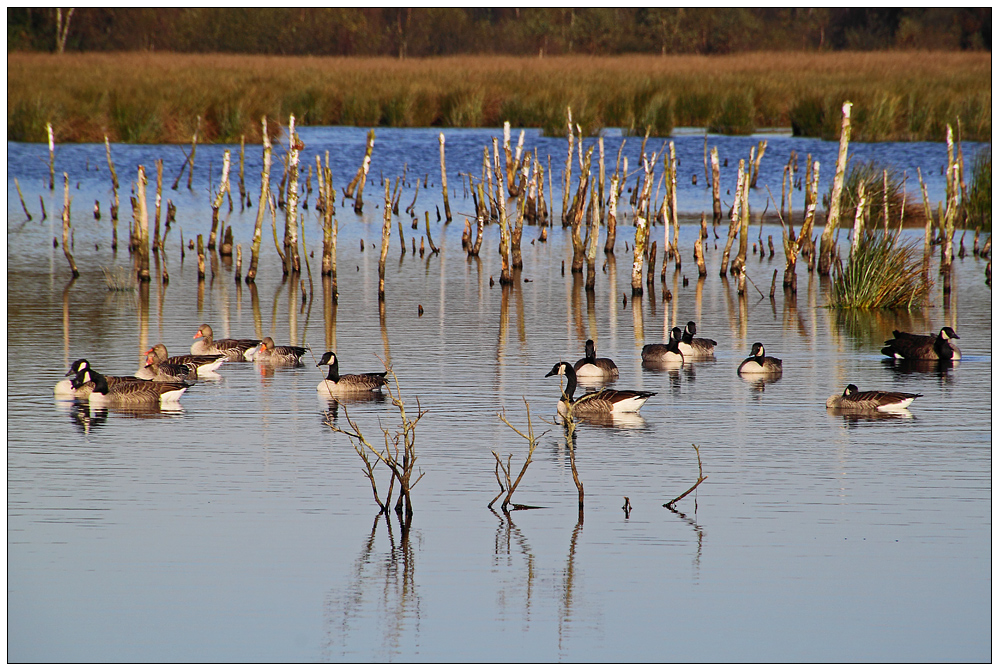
(155, 97)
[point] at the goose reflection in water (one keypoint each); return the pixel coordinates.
(854, 417)
(83, 417)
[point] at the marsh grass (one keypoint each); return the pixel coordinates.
(978, 200)
(881, 272)
(877, 193)
(156, 97)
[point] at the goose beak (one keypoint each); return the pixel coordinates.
(197, 335)
(149, 360)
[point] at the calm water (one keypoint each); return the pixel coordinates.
(242, 529)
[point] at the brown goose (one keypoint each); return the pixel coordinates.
(695, 347)
(269, 353)
(235, 349)
(918, 346)
(160, 366)
(871, 400)
(601, 402)
(664, 354)
(757, 362)
(334, 383)
(125, 391)
(593, 367)
(69, 387)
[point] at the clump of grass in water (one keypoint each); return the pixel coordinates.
(881, 272)
(119, 279)
(978, 201)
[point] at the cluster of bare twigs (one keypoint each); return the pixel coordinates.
(507, 485)
(399, 454)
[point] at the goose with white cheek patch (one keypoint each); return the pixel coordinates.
(692, 347)
(872, 400)
(593, 367)
(920, 347)
(335, 383)
(664, 354)
(600, 402)
(127, 391)
(758, 362)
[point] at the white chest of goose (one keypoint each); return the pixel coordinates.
(593, 367)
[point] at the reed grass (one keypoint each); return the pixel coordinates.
(881, 272)
(157, 97)
(978, 200)
(876, 193)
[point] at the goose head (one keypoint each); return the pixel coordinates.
(204, 331)
(590, 350)
(559, 369)
(328, 358)
(947, 333)
(850, 389)
(267, 344)
(691, 328)
(78, 367)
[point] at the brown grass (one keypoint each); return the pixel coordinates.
(155, 97)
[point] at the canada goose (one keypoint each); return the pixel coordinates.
(159, 366)
(695, 347)
(127, 391)
(659, 354)
(918, 346)
(592, 367)
(758, 363)
(72, 387)
(872, 400)
(334, 383)
(269, 353)
(234, 348)
(602, 401)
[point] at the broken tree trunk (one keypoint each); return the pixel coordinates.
(833, 216)
(444, 181)
(265, 179)
(66, 224)
(217, 203)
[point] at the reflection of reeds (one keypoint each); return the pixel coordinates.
(119, 279)
(880, 273)
(158, 97)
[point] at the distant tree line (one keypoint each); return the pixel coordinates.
(420, 32)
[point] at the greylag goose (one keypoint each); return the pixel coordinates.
(695, 347)
(758, 362)
(269, 353)
(918, 346)
(235, 349)
(600, 402)
(334, 383)
(872, 400)
(200, 365)
(660, 354)
(593, 367)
